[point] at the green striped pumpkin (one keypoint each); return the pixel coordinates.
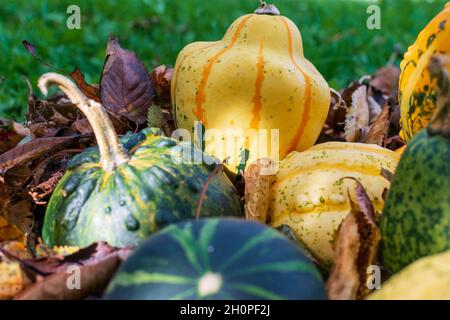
(122, 192)
(217, 259)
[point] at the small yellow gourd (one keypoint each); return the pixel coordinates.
(255, 78)
(310, 195)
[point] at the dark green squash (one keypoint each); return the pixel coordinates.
(217, 259)
(416, 218)
(121, 192)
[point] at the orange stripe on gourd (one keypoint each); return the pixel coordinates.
(257, 99)
(200, 99)
(176, 75)
(307, 104)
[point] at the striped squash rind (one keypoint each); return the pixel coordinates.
(416, 219)
(426, 279)
(244, 260)
(139, 197)
(256, 77)
(310, 195)
(417, 91)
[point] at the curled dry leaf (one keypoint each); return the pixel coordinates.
(93, 279)
(36, 148)
(90, 255)
(386, 80)
(258, 178)
(357, 118)
(125, 86)
(356, 249)
(90, 91)
(8, 231)
(379, 129)
(161, 77)
(96, 264)
(21, 216)
(343, 282)
(45, 189)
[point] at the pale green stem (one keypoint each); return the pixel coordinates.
(112, 153)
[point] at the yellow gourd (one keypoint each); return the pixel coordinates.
(417, 91)
(425, 279)
(255, 78)
(310, 196)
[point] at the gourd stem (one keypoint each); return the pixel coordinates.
(440, 123)
(112, 153)
(265, 8)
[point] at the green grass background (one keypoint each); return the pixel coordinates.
(334, 32)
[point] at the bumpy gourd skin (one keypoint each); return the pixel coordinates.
(416, 219)
(137, 198)
(417, 91)
(256, 77)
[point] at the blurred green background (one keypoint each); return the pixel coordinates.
(334, 32)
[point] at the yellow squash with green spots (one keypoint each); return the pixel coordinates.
(256, 79)
(310, 195)
(417, 90)
(122, 191)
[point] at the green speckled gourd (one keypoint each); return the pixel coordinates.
(122, 191)
(416, 218)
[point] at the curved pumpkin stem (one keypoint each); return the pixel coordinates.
(440, 123)
(112, 153)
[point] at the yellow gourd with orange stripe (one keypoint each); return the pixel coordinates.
(255, 78)
(417, 91)
(310, 195)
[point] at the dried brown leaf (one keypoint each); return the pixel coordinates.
(90, 255)
(21, 215)
(89, 91)
(93, 280)
(258, 178)
(343, 282)
(45, 189)
(357, 249)
(9, 232)
(379, 129)
(82, 125)
(125, 86)
(34, 149)
(386, 80)
(161, 77)
(357, 118)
